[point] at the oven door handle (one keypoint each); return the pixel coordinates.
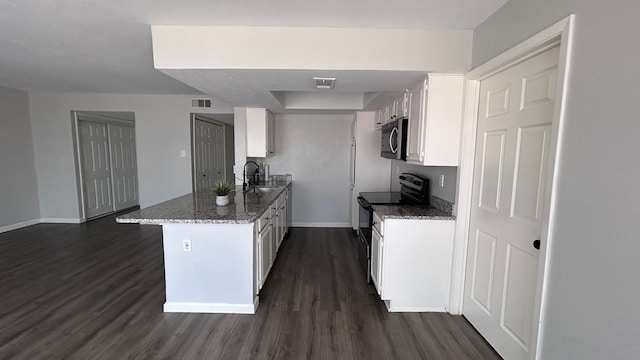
(363, 203)
(395, 130)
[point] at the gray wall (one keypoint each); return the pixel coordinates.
(315, 150)
(18, 186)
(447, 192)
(162, 131)
(593, 292)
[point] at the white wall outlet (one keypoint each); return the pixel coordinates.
(441, 180)
(183, 153)
(186, 244)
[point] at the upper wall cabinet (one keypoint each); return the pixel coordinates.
(393, 110)
(260, 132)
(435, 115)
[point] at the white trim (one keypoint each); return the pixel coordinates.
(415, 309)
(322, 224)
(464, 188)
(19, 225)
(561, 32)
(210, 308)
(387, 304)
(61, 221)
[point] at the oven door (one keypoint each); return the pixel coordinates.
(364, 236)
(364, 256)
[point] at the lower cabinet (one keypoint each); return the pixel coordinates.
(411, 263)
(265, 256)
(272, 226)
(376, 259)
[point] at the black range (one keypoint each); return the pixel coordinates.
(414, 190)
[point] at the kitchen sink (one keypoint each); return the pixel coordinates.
(266, 190)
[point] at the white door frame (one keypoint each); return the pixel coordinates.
(561, 33)
(202, 117)
(102, 117)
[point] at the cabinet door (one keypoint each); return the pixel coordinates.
(259, 132)
(258, 263)
(399, 106)
(378, 118)
(376, 260)
(280, 216)
(266, 238)
(415, 113)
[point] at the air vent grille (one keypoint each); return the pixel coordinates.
(201, 103)
(324, 83)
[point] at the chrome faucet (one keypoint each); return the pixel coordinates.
(244, 173)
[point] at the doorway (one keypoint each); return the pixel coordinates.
(512, 151)
(106, 162)
(212, 150)
(507, 172)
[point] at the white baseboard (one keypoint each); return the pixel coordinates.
(210, 308)
(321, 225)
(61, 220)
(19, 225)
(391, 308)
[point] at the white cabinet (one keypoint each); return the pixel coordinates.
(270, 228)
(411, 263)
(376, 259)
(399, 106)
(435, 115)
(259, 132)
(265, 241)
(378, 118)
(282, 218)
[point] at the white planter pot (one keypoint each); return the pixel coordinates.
(222, 200)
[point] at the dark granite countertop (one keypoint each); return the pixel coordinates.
(411, 212)
(201, 208)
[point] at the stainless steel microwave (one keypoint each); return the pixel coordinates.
(394, 139)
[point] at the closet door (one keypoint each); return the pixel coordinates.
(96, 168)
(123, 163)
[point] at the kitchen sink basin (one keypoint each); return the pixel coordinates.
(266, 190)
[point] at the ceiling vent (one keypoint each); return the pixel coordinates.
(201, 103)
(324, 83)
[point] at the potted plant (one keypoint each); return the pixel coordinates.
(222, 191)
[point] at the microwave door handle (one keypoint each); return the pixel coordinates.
(395, 130)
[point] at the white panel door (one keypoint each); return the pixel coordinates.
(123, 163)
(209, 154)
(96, 168)
(512, 145)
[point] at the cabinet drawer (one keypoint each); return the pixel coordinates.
(378, 224)
(263, 220)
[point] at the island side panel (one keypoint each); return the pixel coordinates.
(217, 275)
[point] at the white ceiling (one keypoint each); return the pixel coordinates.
(105, 46)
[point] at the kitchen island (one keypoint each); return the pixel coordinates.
(217, 258)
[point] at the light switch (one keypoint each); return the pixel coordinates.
(183, 153)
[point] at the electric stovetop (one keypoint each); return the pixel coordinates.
(382, 198)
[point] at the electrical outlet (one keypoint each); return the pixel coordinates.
(186, 245)
(441, 180)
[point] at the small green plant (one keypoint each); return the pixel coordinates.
(223, 188)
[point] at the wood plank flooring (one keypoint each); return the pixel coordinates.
(96, 290)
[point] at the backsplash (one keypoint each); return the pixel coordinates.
(442, 205)
(446, 193)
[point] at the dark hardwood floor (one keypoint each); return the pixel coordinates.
(96, 290)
